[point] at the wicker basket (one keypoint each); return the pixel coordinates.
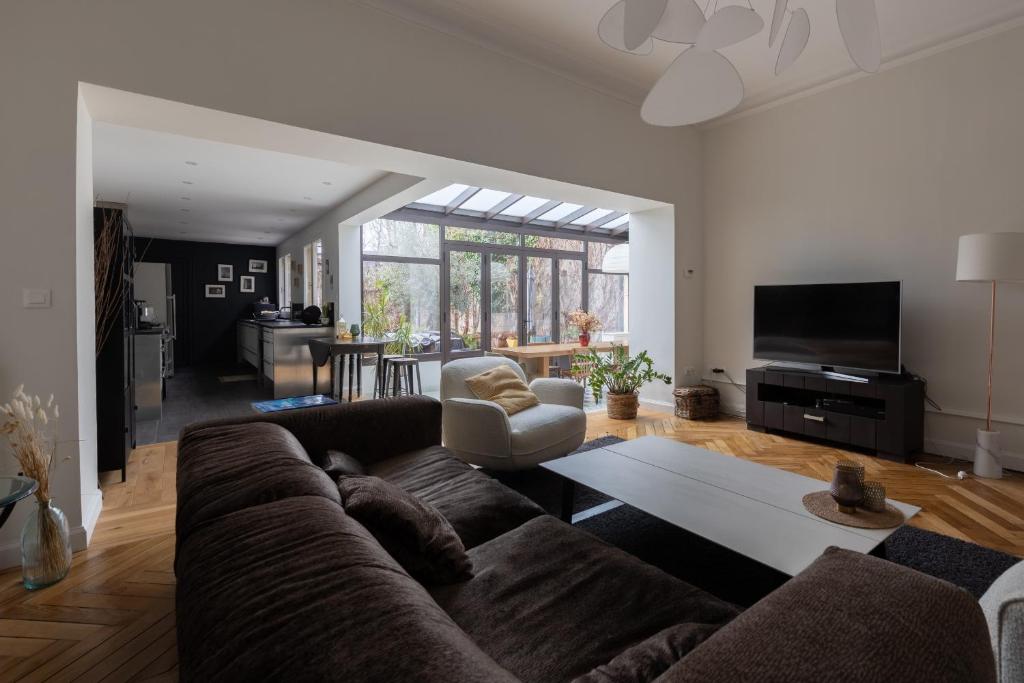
(622, 406)
(699, 402)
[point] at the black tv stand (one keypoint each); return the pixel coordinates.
(884, 414)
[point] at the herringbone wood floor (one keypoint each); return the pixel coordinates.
(112, 619)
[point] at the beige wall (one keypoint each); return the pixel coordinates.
(874, 180)
(335, 67)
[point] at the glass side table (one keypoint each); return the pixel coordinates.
(13, 489)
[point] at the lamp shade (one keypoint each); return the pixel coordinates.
(991, 257)
(616, 259)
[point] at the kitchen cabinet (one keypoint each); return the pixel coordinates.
(279, 352)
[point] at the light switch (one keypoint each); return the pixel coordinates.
(35, 298)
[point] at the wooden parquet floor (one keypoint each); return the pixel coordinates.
(112, 619)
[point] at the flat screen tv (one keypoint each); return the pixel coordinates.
(853, 325)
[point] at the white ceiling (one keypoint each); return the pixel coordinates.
(561, 35)
(184, 188)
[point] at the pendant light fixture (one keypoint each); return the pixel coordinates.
(701, 83)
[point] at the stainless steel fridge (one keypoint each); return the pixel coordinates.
(153, 285)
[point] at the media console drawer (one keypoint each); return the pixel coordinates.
(885, 415)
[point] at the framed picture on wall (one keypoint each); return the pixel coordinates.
(257, 266)
(247, 284)
(225, 273)
(216, 291)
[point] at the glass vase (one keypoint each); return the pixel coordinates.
(45, 547)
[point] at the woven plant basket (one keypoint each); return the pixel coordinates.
(622, 406)
(698, 402)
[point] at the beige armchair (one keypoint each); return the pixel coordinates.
(480, 432)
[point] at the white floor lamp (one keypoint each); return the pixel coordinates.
(990, 257)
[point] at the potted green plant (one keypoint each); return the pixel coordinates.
(620, 375)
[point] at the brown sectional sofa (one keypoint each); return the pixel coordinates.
(276, 582)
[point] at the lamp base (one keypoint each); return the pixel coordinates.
(986, 455)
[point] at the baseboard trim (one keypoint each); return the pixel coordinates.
(92, 506)
(963, 451)
(661, 406)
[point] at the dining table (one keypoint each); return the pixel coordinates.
(537, 357)
(335, 351)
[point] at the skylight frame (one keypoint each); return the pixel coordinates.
(552, 215)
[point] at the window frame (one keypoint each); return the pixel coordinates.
(445, 246)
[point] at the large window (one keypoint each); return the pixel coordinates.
(608, 291)
(401, 302)
(284, 281)
(384, 237)
(433, 288)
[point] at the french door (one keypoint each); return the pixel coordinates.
(498, 298)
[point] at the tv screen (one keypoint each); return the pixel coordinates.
(854, 326)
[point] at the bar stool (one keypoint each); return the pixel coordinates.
(401, 368)
(380, 371)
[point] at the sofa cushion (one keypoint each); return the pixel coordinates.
(478, 507)
(296, 590)
(650, 658)
(229, 468)
(504, 386)
(849, 617)
(550, 602)
(342, 464)
(420, 469)
(545, 425)
(1003, 605)
(412, 531)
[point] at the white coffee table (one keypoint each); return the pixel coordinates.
(749, 508)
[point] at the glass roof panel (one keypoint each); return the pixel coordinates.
(524, 206)
(559, 212)
(444, 196)
(483, 200)
(617, 222)
(588, 218)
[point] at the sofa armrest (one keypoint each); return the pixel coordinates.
(563, 392)
(476, 427)
(849, 617)
(370, 431)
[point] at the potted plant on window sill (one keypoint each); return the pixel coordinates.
(620, 375)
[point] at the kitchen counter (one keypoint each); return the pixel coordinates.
(280, 324)
(279, 350)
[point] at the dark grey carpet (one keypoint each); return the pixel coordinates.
(736, 578)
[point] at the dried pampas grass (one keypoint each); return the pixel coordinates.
(30, 426)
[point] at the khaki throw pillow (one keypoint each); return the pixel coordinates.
(503, 386)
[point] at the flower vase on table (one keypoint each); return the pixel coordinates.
(584, 340)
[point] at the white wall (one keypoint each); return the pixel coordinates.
(336, 67)
(652, 295)
(875, 180)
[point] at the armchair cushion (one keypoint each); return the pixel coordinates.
(502, 385)
(545, 425)
(1003, 605)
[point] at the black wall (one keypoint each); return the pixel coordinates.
(206, 327)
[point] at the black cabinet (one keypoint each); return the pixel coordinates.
(885, 414)
(115, 353)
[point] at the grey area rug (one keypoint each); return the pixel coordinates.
(732, 576)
